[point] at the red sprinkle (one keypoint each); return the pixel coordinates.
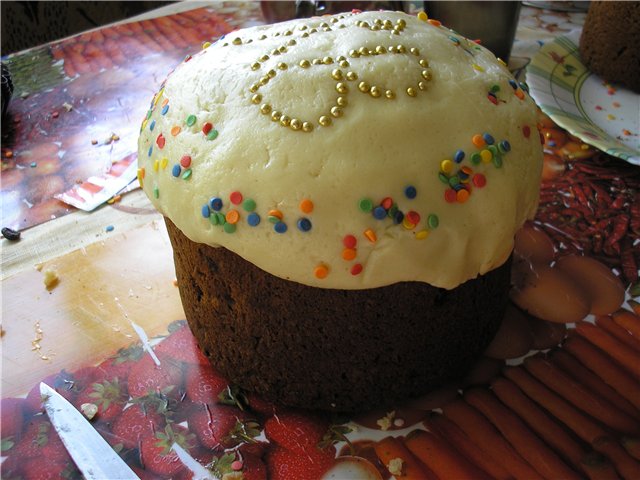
(206, 128)
(526, 131)
(479, 180)
(236, 198)
(598, 107)
(160, 141)
(387, 203)
(55, 114)
(349, 241)
(492, 98)
(185, 161)
(541, 138)
(450, 195)
(413, 217)
(356, 269)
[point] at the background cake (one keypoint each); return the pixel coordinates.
(609, 42)
(342, 194)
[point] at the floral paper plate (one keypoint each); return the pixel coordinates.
(600, 114)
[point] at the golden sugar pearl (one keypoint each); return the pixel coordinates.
(317, 61)
(265, 108)
(342, 87)
(225, 44)
(375, 28)
(292, 42)
(334, 20)
(423, 63)
(395, 31)
(392, 49)
(255, 66)
(327, 29)
(262, 37)
(364, 51)
(426, 74)
(423, 16)
(388, 23)
(342, 101)
(422, 85)
(288, 33)
(237, 41)
(401, 23)
(275, 115)
(344, 64)
(277, 34)
(285, 120)
(378, 21)
(324, 120)
(411, 92)
(305, 63)
(254, 88)
(295, 124)
(264, 58)
(364, 24)
(380, 50)
(352, 76)
(250, 40)
(257, 98)
(264, 80)
(302, 28)
(271, 73)
(305, 35)
(364, 87)
(414, 51)
(336, 74)
(282, 49)
(401, 49)
(282, 66)
(341, 58)
(336, 111)
(313, 30)
(324, 25)
(307, 126)
(375, 92)
(275, 51)
(353, 53)
(389, 94)
(342, 26)
(327, 60)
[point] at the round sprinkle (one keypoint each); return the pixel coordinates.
(324, 120)
(186, 175)
(450, 195)
(249, 205)
(387, 203)
(504, 146)
(446, 166)
(229, 227)
(191, 120)
(235, 198)
(175, 130)
(206, 128)
(478, 140)
(407, 224)
(206, 212)
(379, 213)
(321, 271)
(185, 161)
(433, 221)
(486, 155)
(232, 216)
(422, 234)
(220, 218)
(453, 181)
(370, 235)
(398, 217)
(212, 135)
(280, 227)
(410, 192)
(304, 224)
(462, 195)
(413, 217)
(489, 140)
(253, 219)
(479, 180)
(175, 171)
(443, 178)
(349, 241)
(275, 214)
(476, 158)
(356, 269)
(306, 206)
(216, 204)
(497, 161)
(458, 156)
(365, 205)
(349, 254)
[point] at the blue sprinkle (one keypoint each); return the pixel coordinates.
(205, 211)
(505, 146)
(398, 217)
(457, 186)
(304, 224)
(215, 203)
(524, 87)
(458, 156)
(513, 84)
(152, 125)
(175, 171)
(379, 213)
(33, 164)
(410, 192)
(150, 150)
(165, 109)
(488, 139)
(109, 228)
(462, 175)
(280, 227)
(253, 219)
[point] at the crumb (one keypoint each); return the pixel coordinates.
(175, 282)
(51, 279)
(67, 106)
(395, 466)
(94, 142)
(89, 410)
(398, 422)
(386, 421)
(38, 267)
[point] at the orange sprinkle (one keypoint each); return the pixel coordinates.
(8, 154)
(306, 206)
(232, 216)
(321, 271)
(165, 101)
(467, 170)
(349, 253)
(477, 140)
(371, 235)
(275, 213)
(462, 196)
(175, 130)
(435, 23)
(626, 132)
(520, 94)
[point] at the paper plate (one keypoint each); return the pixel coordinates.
(601, 114)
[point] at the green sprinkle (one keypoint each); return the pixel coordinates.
(249, 205)
(191, 119)
(493, 149)
(497, 161)
(432, 221)
(454, 180)
(443, 178)
(156, 191)
(476, 159)
(149, 114)
(220, 218)
(212, 135)
(393, 210)
(495, 88)
(229, 227)
(273, 219)
(213, 219)
(366, 205)
(186, 175)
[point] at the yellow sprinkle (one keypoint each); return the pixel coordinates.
(206, 45)
(486, 156)
(164, 162)
(611, 117)
(446, 166)
(371, 235)
(407, 224)
(478, 67)
(141, 176)
(422, 234)
(423, 16)
(502, 62)
(156, 165)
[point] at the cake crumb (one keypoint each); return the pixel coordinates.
(50, 279)
(395, 466)
(89, 410)
(385, 422)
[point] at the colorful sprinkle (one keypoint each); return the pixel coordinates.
(232, 216)
(164, 162)
(212, 135)
(433, 221)
(462, 196)
(187, 174)
(206, 211)
(486, 155)
(253, 219)
(478, 140)
(458, 156)
(280, 227)
(365, 205)
(235, 198)
(306, 206)
(109, 228)
(249, 205)
(423, 16)
(160, 141)
(446, 166)
(152, 125)
(274, 213)
(356, 269)
(175, 171)
(488, 139)
(504, 146)
(349, 254)
(410, 192)
(185, 161)
(191, 120)
(216, 204)
(229, 227)
(387, 203)
(450, 195)
(150, 151)
(175, 130)
(526, 131)
(206, 128)
(164, 110)
(379, 213)
(156, 191)
(349, 241)
(513, 84)
(422, 234)
(370, 235)
(304, 224)
(321, 271)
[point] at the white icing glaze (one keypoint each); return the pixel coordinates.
(374, 150)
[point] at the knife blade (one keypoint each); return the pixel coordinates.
(93, 456)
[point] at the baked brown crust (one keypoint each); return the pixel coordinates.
(609, 42)
(338, 350)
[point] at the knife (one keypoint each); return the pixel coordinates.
(93, 456)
